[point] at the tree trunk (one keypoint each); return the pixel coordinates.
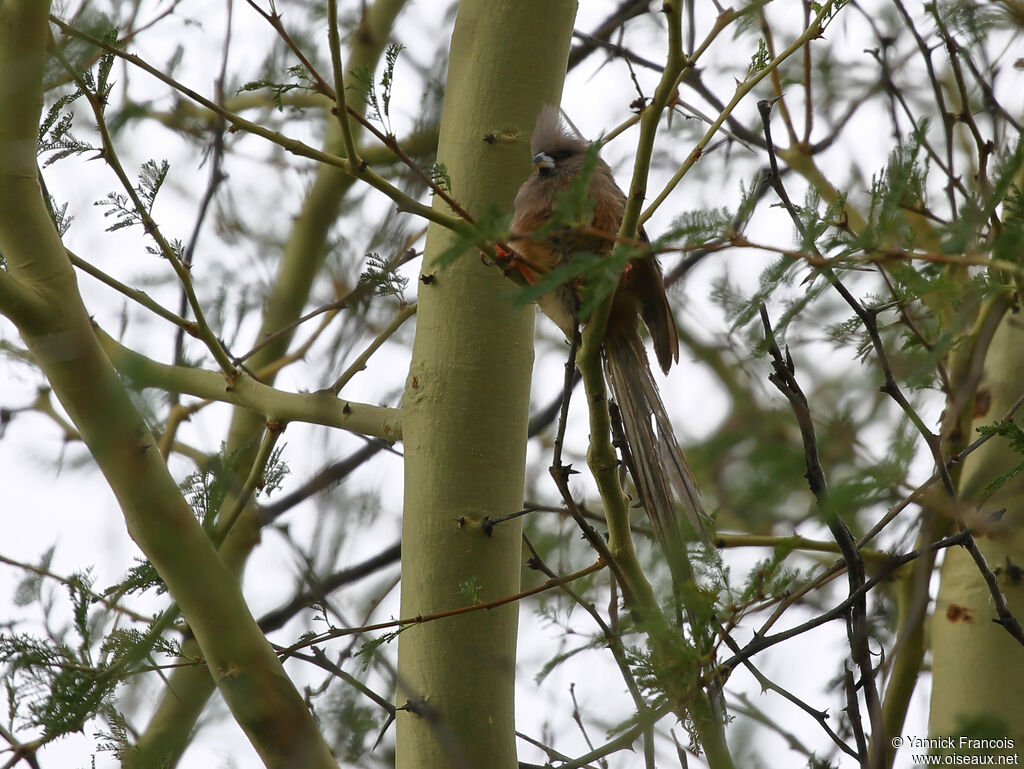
(978, 668)
(466, 403)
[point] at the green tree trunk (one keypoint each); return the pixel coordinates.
(466, 403)
(978, 668)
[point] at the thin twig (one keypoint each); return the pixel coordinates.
(422, 618)
(783, 377)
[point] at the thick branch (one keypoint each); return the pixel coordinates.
(321, 407)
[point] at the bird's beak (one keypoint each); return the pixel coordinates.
(544, 163)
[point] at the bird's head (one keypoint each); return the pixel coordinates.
(557, 150)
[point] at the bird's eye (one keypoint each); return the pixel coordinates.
(561, 155)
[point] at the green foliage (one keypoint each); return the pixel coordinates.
(55, 136)
(207, 488)
(670, 676)
(860, 490)
(124, 643)
(1006, 245)
(275, 472)
(793, 307)
(743, 309)
(1013, 433)
(1006, 192)
(351, 723)
(30, 589)
(748, 22)
(140, 578)
(960, 235)
(387, 79)
(61, 219)
(901, 185)
(377, 101)
(176, 246)
(593, 277)
(1005, 172)
(565, 655)
(56, 684)
(846, 332)
(124, 209)
(471, 589)
(438, 174)
(696, 227)
(769, 577)
(100, 85)
(61, 682)
(175, 60)
(491, 226)
(819, 233)
(117, 738)
(754, 458)
(302, 82)
(574, 207)
(369, 648)
(382, 277)
(832, 11)
(749, 197)
(969, 19)
(759, 59)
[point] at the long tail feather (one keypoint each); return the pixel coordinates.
(659, 468)
(660, 465)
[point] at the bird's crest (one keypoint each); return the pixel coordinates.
(551, 134)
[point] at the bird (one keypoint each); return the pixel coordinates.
(659, 468)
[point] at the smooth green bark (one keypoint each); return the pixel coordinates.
(978, 668)
(466, 403)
